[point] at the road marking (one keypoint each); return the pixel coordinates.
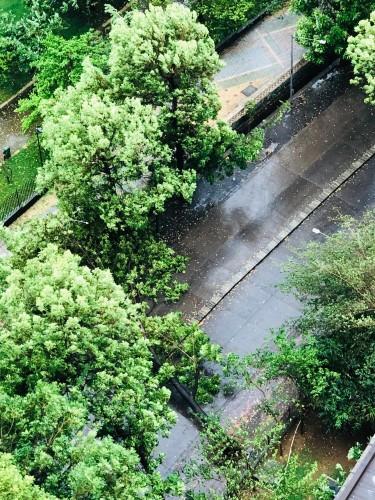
(273, 53)
(238, 75)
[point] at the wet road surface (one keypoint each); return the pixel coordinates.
(242, 321)
(227, 240)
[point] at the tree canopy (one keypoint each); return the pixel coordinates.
(79, 395)
(361, 52)
(168, 59)
(331, 21)
(333, 366)
(60, 65)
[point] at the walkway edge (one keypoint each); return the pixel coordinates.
(302, 215)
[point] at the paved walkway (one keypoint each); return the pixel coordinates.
(10, 131)
(256, 60)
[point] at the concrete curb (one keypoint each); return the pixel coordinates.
(22, 209)
(268, 100)
(15, 97)
(251, 264)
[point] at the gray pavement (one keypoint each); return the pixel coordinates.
(255, 60)
(242, 321)
(226, 241)
(330, 131)
(10, 131)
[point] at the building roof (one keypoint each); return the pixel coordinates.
(360, 484)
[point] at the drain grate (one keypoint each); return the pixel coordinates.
(249, 90)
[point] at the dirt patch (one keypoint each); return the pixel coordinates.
(318, 445)
(43, 206)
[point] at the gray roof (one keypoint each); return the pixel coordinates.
(360, 484)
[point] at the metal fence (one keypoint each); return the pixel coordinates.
(20, 197)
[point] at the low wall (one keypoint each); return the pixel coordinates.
(269, 100)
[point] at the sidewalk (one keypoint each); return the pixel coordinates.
(255, 61)
(10, 131)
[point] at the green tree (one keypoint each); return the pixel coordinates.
(39, 429)
(167, 59)
(145, 267)
(14, 485)
(332, 21)
(102, 469)
(249, 465)
(21, 41)
(189, 349)
(361, 52)
(333, 365)
(106, 160)
(86, 336)
(223, 17)
(60, 65)
(113, 175)
(293, 479)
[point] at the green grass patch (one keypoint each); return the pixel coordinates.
(22, 168)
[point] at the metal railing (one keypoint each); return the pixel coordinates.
(16, 200)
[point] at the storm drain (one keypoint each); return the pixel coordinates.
(249, 90)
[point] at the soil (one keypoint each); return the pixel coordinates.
(318, 445)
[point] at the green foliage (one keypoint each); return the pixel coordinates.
(187, 348)
(21, 40)
(331, 21)
(60, 65)
(333, 365)
(295, 479)
(14, 485)
(144, 266)
(73, 354)
(355, 452)
(122, 143)
(109, 152)
(223, 17)
(85, 335)
(361, 52)
(20, 168)
(167, 59)
(233, 456)
(112, 172)
(250, 466)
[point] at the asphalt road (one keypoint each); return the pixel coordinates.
(241, 322)
(234, 224)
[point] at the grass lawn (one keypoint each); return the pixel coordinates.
(23, 166)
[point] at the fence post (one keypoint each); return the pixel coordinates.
(18, 198)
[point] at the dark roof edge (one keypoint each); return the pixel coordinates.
(356, 474)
